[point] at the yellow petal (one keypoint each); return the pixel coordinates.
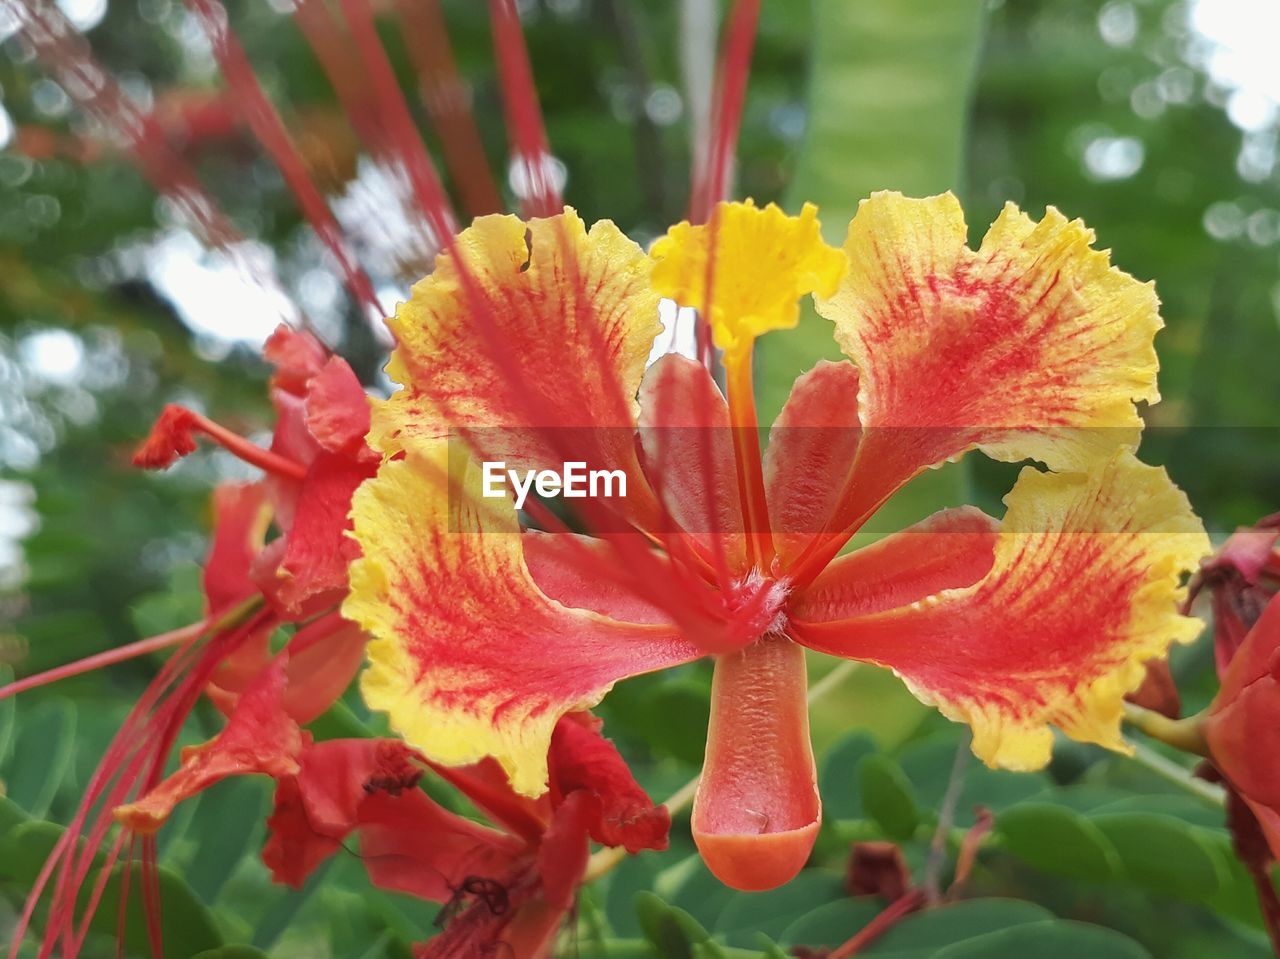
(1085, 588)
(527, 326)
(1033, 346)
(764, 262)
(468, 657)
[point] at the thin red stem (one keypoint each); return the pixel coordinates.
(396, 122)
(711, 182)
(901, 907)
(524, 115)
(448, 101)
(270, 130)
(251, 453)
(108, 658)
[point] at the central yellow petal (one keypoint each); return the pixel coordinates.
(746, 269)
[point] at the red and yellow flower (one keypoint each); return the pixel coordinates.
(528, 344)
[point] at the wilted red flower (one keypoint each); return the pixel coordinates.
(1241, 578)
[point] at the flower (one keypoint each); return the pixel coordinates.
(252, 587)
(528, 344)
(1241, 578)
(508, 885)
(1242, 728)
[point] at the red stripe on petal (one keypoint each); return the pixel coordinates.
(1084, 587)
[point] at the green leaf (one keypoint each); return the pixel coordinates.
(8, 709)
(670, 929)
(890, 85)
(42, 756)
(233, 952)
(1057, 840)
(1050, 939)
(838, 778)
(235, 813)
(748, 914)
(921, 935)
(831, 923)
(636, 874)
(1161, 853)
(11, 815)
(887, 796)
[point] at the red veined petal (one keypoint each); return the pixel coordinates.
(410, 844)
(324, 657)
(337, 408)
(467, 656)
(320, 806)
(1084, 588)
(260, 737)
(486, 786)
(1032, 347)
(581, 572)
(369, 786)
(317, 548)
(757, 811)
(618, 812)
(950, 549)
(1269, 820)
(688, 443)
(562, 857)
(532, 337)
(296, 355)
(241, 516)
(811, 451)
(294, 849)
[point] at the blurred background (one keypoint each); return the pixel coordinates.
(1156, 121)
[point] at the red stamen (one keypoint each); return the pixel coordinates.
(172, 438)
(267, 126)
(711, 181)
(396, 122)
(109, 658)
(448, 101)
(746, 449)
(524, 116)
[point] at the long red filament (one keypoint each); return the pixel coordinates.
(524, 115)
(109, 658)
(65, 51)
(251, 453)
(746, 448)
(712, 181)
(270, 130)
(396, 122)
(448, 102)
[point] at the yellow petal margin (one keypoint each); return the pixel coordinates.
(522, 325)
(467, 657)
(1033, 346)
(1085, 588)
(763, 262)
